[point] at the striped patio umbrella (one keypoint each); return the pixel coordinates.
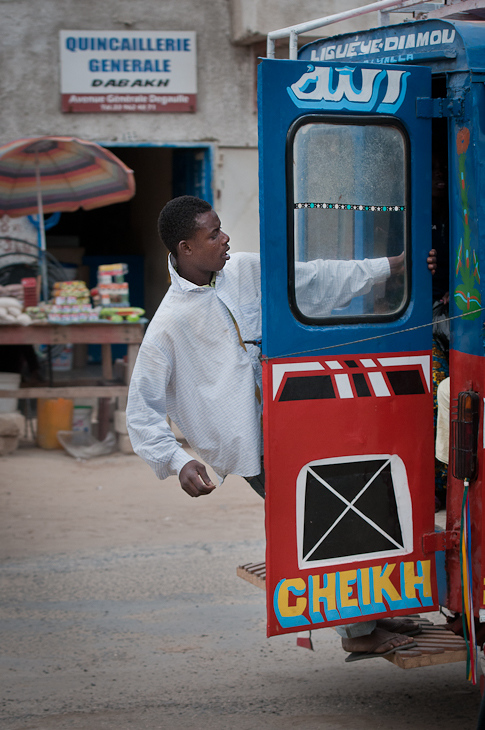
(48, 174)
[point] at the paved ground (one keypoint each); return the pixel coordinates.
(120, 608)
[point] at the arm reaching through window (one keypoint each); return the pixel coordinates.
(324, 285)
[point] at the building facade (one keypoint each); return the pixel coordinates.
(210, 150)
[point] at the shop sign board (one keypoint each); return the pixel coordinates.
(128, 71)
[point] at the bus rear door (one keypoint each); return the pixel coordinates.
(345, 186)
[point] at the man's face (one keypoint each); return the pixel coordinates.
(209, 244)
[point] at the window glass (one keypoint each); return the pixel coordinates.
(349, 200)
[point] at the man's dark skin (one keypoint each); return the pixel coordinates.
(198, 258)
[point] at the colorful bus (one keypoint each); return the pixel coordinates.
(353, 135)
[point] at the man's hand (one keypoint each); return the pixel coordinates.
(195, 480)
(396, 264)
(431, 261)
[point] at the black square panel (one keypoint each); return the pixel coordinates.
(350, 509)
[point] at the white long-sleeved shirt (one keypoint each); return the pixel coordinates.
(192, 367)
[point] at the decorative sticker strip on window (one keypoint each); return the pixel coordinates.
(352, 206)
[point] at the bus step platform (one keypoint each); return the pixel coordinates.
(434, 645)
(254, 573)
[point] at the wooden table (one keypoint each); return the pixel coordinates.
(95, 333)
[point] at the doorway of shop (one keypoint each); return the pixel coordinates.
(127, 232)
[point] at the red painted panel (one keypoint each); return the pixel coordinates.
(349, 458)
(467, 372)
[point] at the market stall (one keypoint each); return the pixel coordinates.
(75, 315)
(53, 174)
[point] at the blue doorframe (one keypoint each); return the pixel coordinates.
(193, 166)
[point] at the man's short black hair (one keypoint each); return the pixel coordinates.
(178, 220)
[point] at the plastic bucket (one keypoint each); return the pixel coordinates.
(9, 381)
(53, 415)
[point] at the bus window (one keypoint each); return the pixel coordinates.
(349, 197)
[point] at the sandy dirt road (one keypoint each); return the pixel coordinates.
(120, 608)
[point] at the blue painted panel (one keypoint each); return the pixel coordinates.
(467, 223)
(279, 108)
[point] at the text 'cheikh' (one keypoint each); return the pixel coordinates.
(350, 594)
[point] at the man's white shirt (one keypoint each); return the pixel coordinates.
(192, 367)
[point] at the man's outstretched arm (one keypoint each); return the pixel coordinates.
(146, 414)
